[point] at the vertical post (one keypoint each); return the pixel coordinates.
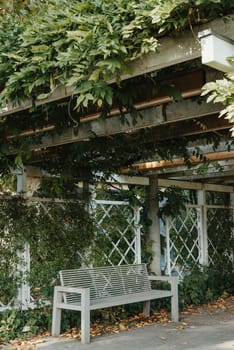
(174, 299)
(232, 216)
(85, 316)
(56, 318)
(154, 228)
(23, 268)
(203, 228)
(168, 257)
(146, 308)
(21, 181)
(137, 230)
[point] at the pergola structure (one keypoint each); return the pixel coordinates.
(191, 117)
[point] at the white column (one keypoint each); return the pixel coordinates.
(21, 181)
(23, 268)
(232, 215)
(168, 255)
(202, 227)
(154, 228)
(137, 230)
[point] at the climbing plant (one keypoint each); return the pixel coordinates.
(86, 46)
(222, 91)
(57, 232)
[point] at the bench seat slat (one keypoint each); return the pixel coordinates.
(120, 300)
(132, 298)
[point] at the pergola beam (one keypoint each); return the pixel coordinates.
(144, 181)
(151, 117)
(173, 50)
(214, 156)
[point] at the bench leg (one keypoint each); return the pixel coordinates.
(85, 318)
(56, 317)
(174, 302)
(146, 308)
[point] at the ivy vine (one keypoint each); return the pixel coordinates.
(58, 234)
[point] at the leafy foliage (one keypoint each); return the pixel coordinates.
(173, 201)
(222, 91)
(55, 232)
(84, 44)
(23, 324)
(206, 285)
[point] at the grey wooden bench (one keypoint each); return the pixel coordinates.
(95, 288)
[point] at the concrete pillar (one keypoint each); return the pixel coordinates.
(154, 228)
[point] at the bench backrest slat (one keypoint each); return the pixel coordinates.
(107, 281)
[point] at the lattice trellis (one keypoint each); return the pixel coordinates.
(183, 241)
(117, 233)
(117, 241)
(218, 234)
(198, 236)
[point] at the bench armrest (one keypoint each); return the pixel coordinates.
(173, 280)
(62, 289)
(170, 279)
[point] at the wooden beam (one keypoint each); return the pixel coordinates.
(144, 181)
(218, 188)
(129, 180)
(188, 185)
(165, 183)
(214, 156)
(173, 50)
(151, 117)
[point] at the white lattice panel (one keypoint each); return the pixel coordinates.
(117, 226)
(218, 244)
(183, 241)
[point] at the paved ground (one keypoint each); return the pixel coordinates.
(205, 329)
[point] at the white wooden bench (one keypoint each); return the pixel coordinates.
(95, 288)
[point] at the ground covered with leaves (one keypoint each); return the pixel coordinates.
(220, 311)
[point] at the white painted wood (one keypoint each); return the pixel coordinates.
(23, 267)
(203, 227)
(154, 227)
(218, 188)
(168, 251)
(137, 230)
(21, 181)
(215, 50)
(129, 180)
